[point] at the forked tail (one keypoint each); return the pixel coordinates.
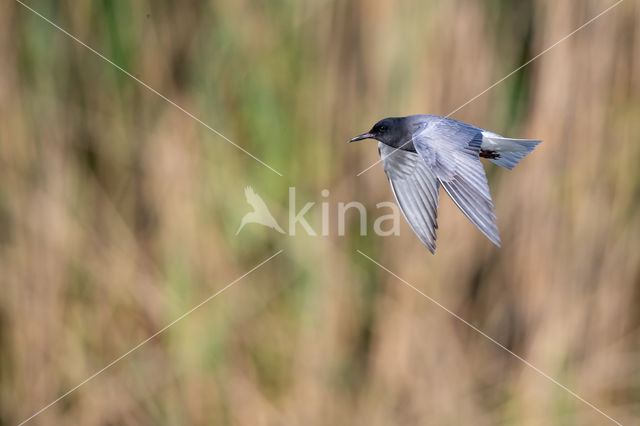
(507, 152)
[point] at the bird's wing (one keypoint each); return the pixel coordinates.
(254, 200)
(451, 149)
(415, 187)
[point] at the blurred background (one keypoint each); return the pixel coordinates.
(118, 213)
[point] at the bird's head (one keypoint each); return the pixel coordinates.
(387, 131)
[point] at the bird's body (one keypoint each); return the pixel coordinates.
(421, 152)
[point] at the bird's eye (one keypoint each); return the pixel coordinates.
(382, 128)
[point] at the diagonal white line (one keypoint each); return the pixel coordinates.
(535, 57)
(500, 345)
(76, 39)
(162, 330)
(507, 76)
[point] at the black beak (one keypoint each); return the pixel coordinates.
(367, 135)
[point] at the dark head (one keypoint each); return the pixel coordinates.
(390, 131)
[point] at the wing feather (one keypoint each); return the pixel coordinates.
(452, 150)
(415, 187)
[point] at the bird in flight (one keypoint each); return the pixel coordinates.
(421, 152)
(260, 213)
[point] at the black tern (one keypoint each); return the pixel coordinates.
(421, 152)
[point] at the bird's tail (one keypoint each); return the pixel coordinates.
(509, 151)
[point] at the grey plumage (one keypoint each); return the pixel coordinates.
(421, 152)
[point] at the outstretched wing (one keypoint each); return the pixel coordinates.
(451, 149)
(254, 200)
(415, 187)
(249, 193)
